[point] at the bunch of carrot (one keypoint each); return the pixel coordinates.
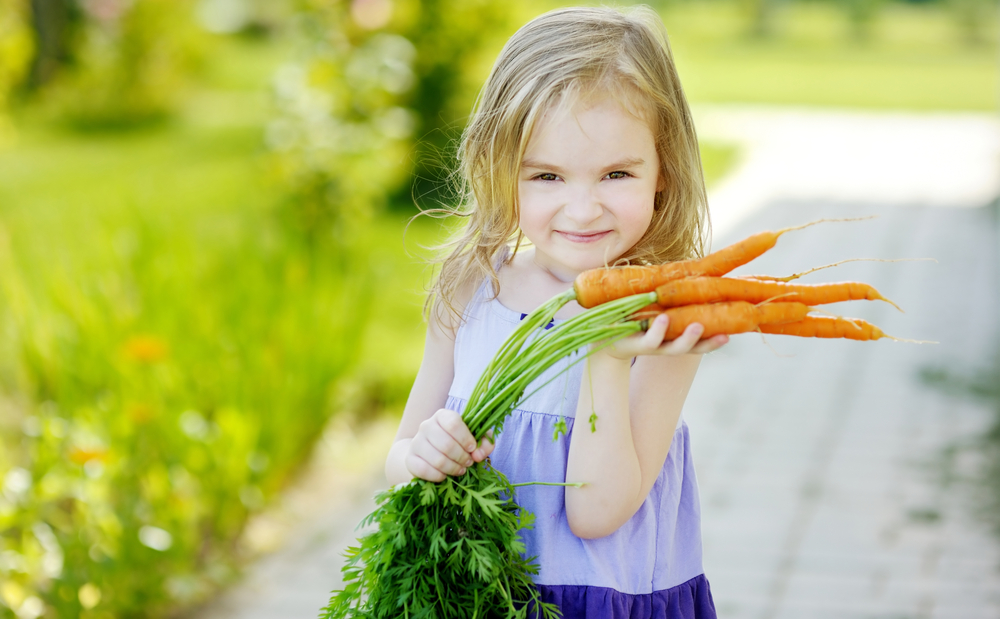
(696, 290)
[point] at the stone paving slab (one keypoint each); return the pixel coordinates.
(819, 461)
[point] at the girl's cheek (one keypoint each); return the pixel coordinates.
(636, 219)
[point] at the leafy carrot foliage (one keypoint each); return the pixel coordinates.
(453, 551)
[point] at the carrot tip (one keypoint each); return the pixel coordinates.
(899, 339)
(821, 221)
(763, 338)
(881, 298)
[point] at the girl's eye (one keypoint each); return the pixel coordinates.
(547, 177)
(618, 174)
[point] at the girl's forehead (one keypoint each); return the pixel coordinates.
(573, 102)
(571, 110)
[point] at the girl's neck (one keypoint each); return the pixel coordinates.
(525, 284)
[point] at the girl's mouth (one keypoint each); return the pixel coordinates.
(583, 237)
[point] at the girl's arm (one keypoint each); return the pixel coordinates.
(433, 442)
(637, 412)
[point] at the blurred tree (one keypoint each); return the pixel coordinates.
(15, 55)
(973, 18)
(370, 111)
(449, 35)
(339, 130)
(125, 62)
(761, 15)
(862, 15)
(56, 23)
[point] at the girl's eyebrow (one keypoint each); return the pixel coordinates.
(631, 162)
(539, 165)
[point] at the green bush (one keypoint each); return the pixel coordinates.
(161, 375)
(15, 56)
(130, 62)
(379, 93)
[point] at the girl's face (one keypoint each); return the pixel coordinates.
(587, 185)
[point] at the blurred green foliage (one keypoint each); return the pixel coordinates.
(182, 307)
(170, 354)
(130, 62)
(16, 50)
(976, 20)
(914, 58)
(370, 110)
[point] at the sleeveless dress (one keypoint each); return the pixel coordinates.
(650, 567)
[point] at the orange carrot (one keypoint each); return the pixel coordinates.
(727, 318)
(717, 289)
(598, 286)
(827, 326)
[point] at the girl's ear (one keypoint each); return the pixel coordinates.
(661, 183)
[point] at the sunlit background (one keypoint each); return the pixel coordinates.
(202, 251)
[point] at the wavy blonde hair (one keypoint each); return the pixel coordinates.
(556, 59)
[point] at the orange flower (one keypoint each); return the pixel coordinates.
(83, 455)
(145, 349)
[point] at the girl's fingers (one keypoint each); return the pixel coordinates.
(652, 342)
(713, 343)
(654, 334)
(436, 459)
(444, 443)
(451, 422)
(420, 468)
(685, 342)
(485, 448)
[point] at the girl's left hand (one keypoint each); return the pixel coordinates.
(652, 343)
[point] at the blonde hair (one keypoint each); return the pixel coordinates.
(555, 59)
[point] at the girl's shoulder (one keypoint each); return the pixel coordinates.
(450, 318)
(447, 320)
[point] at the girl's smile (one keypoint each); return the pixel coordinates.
(587, 185)
(583, 237)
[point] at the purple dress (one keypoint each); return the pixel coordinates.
(651, 566)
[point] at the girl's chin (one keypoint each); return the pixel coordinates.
(571, 266)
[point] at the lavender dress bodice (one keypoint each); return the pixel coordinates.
(651, 566)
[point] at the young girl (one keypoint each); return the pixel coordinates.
(581, 153)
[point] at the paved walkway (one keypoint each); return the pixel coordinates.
(828, 470)
(831, 477)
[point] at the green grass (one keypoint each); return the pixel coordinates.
(915, 58)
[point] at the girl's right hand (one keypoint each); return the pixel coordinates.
(444, 446)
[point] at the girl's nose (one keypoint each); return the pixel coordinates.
(583, 207)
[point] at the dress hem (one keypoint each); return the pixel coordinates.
(688, 600)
